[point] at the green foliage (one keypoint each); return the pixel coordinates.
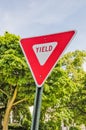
(14, 72)
(13, 68)
(51, 124)
(16, 127)
(75, 128)
(26, 124)
(64, 93)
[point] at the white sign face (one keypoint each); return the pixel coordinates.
(43, 51)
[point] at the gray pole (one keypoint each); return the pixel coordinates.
(37, 108)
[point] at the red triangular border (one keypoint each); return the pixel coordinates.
(39, 72)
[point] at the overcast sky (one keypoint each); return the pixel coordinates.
(29, 18)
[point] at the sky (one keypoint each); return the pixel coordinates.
(28, 18)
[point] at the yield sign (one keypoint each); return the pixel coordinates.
(43, 52)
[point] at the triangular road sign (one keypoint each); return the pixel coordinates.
(43, 52)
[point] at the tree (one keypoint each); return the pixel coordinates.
(15, 77)
(74, 68)
(64, 91)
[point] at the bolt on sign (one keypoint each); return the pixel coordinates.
(43, 52)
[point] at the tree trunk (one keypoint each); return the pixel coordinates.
(8, 109)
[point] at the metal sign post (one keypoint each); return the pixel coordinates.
(37, 108)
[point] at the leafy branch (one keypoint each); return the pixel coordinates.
(4, 92)
(22, 100)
